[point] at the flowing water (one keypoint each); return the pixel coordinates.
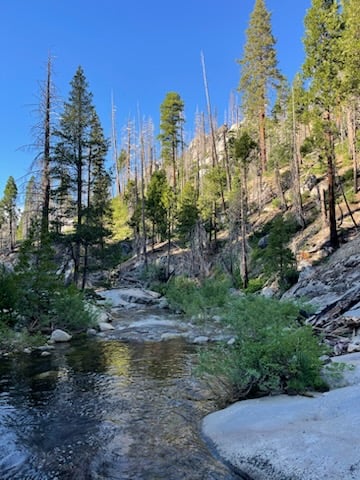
(100, 409)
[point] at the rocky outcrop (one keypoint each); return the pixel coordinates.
(333, 289)
(129, 297)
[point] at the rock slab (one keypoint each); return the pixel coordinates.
(292, 438)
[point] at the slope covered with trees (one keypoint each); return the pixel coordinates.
(246, 200)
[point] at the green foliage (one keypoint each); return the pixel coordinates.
(259, 63)
(272, 352)
(156, 203)
(120, 227)
(8, 296)
(171, 121)
(15, 340)
(255, 285)
(278, 258)
(194, 298)
(40, 299)
(308, 146)
(69, 312)
(188, 212)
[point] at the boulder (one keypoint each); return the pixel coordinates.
(105, 326)
(59, 336)
(123, 297)
(302, 438)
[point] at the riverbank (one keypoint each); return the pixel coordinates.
(293, 437)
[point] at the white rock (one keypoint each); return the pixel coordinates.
(105, 327)
(353, 347)
(201, 339)
(59, 336)
(45, 354)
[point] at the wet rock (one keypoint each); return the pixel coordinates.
(59, 336)
(46, 353)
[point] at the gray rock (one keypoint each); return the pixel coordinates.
(201, 339)
(105, 326)
(121, 297)
(45, 353)
(91, 332)
(163, 303)
(267, 292)
(59, 336)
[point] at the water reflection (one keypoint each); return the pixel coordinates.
(102, 410)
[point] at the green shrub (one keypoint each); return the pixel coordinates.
(15, 340)
(8, 296)
(194, 298)
(272, 352)
(255, 285)
(68, 310)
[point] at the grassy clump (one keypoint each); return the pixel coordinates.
(272, 352)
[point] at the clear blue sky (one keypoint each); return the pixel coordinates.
(139, 49)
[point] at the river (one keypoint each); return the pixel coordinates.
(105, 409)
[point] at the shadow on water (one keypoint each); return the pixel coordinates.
(104, 410)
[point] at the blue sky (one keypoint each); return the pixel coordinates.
(139, 49)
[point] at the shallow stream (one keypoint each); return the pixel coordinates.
(105, 409)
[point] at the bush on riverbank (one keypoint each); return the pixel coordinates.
(198, 298)
(34, 298)
(272, 352)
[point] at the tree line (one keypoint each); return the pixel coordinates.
(190, 191)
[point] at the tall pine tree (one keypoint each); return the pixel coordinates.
(323, 63)
(259, 72)
(80, 156)
(171, 121)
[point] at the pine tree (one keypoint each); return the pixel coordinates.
(30, 214)
(244, 146)
(323, 63)
(259, 72)
(171, 121)
(80, 156)
(155, 204)
(97, 211)
(8, 206)
(350, 48)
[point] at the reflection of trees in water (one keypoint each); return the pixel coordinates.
(159, 360)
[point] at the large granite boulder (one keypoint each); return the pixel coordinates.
(297, 438)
